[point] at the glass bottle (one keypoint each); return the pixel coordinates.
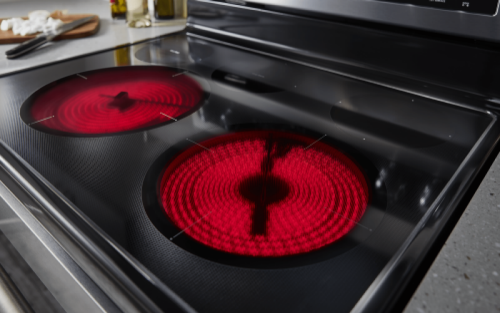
(122, 56)
(138, 13)
(164, 9)
(118, 9)
(180, 8)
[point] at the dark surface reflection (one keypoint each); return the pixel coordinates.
(177, 51)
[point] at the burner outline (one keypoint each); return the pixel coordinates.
(26, 116)
(155, 211)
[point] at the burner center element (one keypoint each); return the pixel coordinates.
(121, 101)
(263, 193)
(265, 189)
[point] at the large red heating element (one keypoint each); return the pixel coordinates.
(114, 100)
(263, 193)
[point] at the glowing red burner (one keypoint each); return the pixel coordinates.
(114, 100)
(261, 193)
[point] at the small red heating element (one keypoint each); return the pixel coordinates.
(263, 193)
(114, 100)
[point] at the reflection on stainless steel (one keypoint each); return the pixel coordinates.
(11, 299)
(381, 178)
(235, 79)
(201, 114)
(177, 52)
(425, 194)
(450, 22)
(50, 262)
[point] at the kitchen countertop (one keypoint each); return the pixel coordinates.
(112, 33)
(465, 276)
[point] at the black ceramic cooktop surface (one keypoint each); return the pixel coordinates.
(244, 183)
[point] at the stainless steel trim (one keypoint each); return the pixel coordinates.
(407, 15)
(361, 306)
(11, 299)
(71, 287)
(345, 74)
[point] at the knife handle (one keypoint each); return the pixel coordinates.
(26, 47)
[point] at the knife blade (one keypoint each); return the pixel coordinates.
(43, 38)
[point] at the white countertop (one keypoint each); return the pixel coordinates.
(112, 33)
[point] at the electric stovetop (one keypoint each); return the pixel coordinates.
(242, 182)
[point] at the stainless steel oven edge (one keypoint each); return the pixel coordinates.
(378, 296)
(79, 274)
(406, 15)
(72, 288)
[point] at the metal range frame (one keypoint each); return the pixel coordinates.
(458, 23)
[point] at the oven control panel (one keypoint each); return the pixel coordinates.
(488, 7)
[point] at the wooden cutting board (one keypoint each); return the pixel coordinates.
(84, 30)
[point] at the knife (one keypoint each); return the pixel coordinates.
(43, 38)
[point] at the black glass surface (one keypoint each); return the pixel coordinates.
(413, 145)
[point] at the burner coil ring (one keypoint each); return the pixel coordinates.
(263, 193)
(110, 101)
